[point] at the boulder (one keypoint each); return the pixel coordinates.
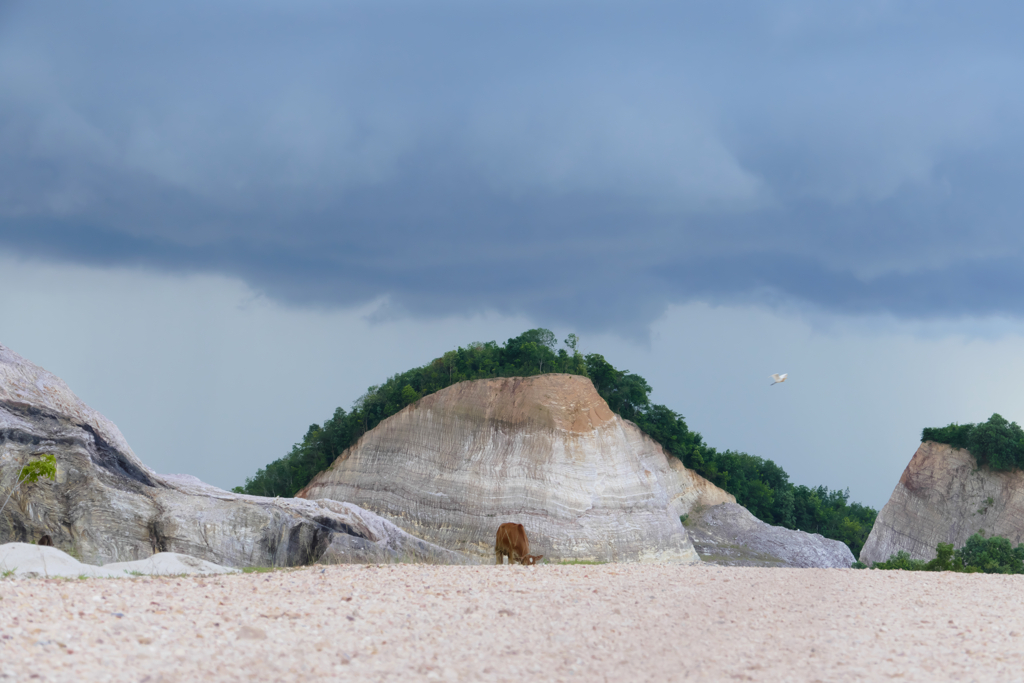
(106, 506)
(729, 535)
(543, 451)
(944, 497)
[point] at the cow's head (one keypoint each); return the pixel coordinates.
(531, 559)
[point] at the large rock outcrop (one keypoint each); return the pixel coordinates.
(944, 497)
(729, 535)
(107, 506)
(544, 451)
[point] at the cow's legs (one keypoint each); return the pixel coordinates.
(498, 557)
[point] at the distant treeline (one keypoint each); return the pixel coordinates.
(993, 555)
(758, 484)
(997, 443)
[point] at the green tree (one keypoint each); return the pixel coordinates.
(409, 395)
(450, 362)
(541, 337)
(993, 555)
(943, 561)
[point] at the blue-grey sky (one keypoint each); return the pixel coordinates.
(268, 206)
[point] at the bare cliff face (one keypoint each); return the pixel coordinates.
(542, 451)
(729, 535)
(943, 497)
(107, 506)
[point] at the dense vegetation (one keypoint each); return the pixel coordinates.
(758, 484)
(997, 443)
(993, 555)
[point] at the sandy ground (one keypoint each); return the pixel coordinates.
(571, 623)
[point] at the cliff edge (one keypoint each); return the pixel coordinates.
(944, 497)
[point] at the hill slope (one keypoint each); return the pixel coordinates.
(544, 451)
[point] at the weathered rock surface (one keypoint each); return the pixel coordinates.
(26, 561)
(543, 451)
(106, 506)
(943, 497)
(729, 535)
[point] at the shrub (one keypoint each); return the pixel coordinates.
(45, 467)
(902, 560)
(993, 555)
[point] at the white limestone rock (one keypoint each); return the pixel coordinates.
(543, 451)
(729, 535)
(27, 561)
(107, 507)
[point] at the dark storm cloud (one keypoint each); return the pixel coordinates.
(583, 162)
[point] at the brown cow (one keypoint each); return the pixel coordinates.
(511, 542)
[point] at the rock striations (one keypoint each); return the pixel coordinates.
(729, 535)
(107, 506)
(543, 451)
(943, 497)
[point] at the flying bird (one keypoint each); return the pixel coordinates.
(779, 379)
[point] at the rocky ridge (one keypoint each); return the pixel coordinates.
(106, 506)
(944, 497)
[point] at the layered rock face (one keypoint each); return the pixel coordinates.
(729, 535)
(543, 451)
(107, 506)
(943, 497)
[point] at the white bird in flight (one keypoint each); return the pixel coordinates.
(779, 379)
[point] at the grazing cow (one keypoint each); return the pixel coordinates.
(511, 541)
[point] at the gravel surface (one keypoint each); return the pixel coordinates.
(581, 623)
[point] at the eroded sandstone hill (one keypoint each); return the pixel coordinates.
(943, 497)
(107, 506)
(544, 451)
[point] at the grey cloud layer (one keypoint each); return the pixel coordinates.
(562, 160)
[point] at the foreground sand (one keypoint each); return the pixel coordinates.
(581, 623)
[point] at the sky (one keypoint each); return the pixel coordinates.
(220, 220)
